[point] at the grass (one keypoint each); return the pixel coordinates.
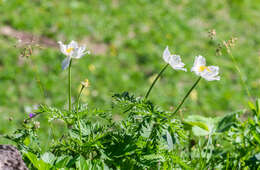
(135, 34)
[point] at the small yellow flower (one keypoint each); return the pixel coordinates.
(85, 83)
(194, 95)
(91, 67)
(151, 78)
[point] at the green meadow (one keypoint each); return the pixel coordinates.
(126, 40)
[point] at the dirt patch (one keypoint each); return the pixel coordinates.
(28, 38)
(96, 48)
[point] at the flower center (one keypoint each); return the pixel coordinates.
(202, 68)
(69, 50)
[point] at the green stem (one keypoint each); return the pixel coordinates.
(240, 74)
(36, 114)
(185, 97)
(69, 85)
(190, 144)
(81, 90)
(78, 99)
(155, 80)
(207, 147)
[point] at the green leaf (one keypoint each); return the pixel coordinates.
(39, 164)
(258, 106)
(62, 161)
(197, 131)
(32, 157)
(153, 157)
(82, 164)
(227, 121)
(257, 137)
(257, 156)
(180, 162)
(251, 105)
(74, 134)
(48, 158)
(27, 141)
(169, 140)
(201, 126)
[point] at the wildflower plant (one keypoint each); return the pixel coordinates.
(145, 137)
(171, 59)
(72, 51)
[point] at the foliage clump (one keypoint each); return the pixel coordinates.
(145, 136)
(144, 139)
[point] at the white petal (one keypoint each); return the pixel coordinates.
(60, 43)
(73, 44)
(212, 78)
(63, 47)
(199, 61)
(176, 63)
(194, 69)
(79, 52)
(166, 55)
(214, 70)
(180, 68)
(65, 63)
(211, 74)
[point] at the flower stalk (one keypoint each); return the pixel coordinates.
(83, 85)
(72, 51)
(155, 80)
(78, 99)
(69, 85)
(186, 96)
(171, 59)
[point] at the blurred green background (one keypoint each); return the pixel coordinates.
(127, 39)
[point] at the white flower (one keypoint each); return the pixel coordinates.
(173, 60)
(72, 50)
(209, 73)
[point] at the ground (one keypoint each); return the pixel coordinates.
(126, 39)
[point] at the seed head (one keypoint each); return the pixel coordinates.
(230, 43)
(212, 34)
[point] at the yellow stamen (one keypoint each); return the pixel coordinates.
(202, 68)
(69, 50)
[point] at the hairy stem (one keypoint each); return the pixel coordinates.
(155, 80)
